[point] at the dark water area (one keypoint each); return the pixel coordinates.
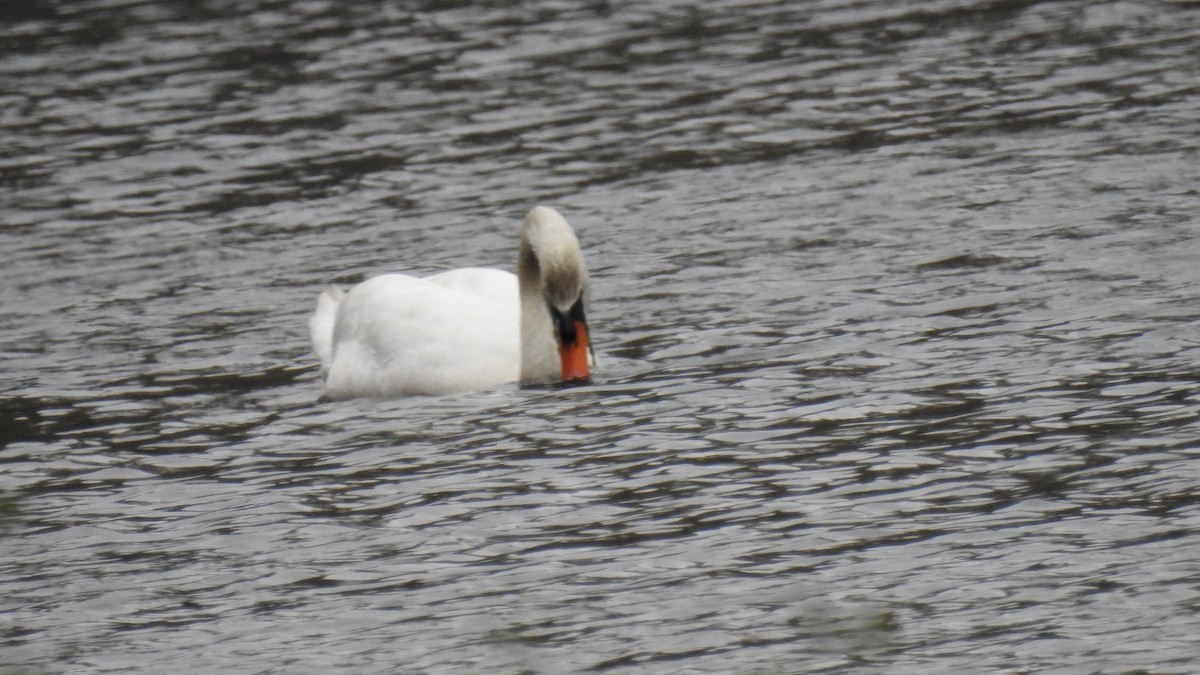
(897, 307)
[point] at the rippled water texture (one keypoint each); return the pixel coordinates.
(896, 305)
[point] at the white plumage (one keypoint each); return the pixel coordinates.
(471, 328)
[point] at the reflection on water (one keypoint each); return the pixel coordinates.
(895, 305)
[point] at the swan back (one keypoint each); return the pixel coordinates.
(397, 335)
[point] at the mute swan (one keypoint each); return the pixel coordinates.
(396, 335)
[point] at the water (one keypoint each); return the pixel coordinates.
(896, 306)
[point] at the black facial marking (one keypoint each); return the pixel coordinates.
(577, 312)
(564, 325)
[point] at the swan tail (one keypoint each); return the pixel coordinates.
(320, 326)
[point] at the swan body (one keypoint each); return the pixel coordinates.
(465, 329)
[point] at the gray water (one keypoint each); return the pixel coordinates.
(896, 305)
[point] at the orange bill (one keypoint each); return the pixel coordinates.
(575, 356)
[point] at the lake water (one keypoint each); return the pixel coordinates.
(897, 306)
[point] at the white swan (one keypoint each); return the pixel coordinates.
(396, 335)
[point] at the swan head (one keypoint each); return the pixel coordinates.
(554, 295)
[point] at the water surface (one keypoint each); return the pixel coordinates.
(896, 304)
